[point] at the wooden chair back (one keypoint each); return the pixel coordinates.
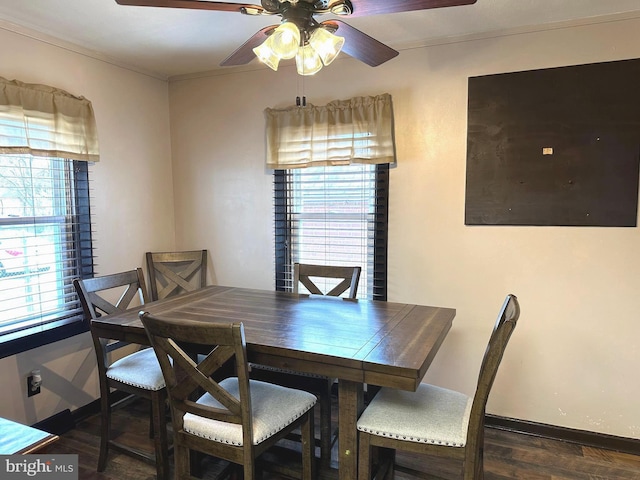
(91, 292)
(172, 273)
(304, 273)
(502, 330)
(446, 422)
(95, 294)
(199, 358)
(95, 297)
(185, 379)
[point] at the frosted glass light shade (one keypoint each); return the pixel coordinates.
(285, 40)
(308, 61)
(266, 55)
(326, 44)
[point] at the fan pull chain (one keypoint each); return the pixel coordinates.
(303, 103)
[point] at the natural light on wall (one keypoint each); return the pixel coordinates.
(312, 48)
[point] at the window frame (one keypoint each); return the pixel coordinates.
(283, 228)
(34, 336)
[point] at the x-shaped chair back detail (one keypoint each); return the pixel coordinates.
(185, 378)
(92, 293)
(305, 273)
(171, 273)
(200, 419)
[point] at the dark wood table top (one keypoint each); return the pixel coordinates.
(380, 343)
(356, 341)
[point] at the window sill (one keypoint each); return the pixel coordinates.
(35, 337)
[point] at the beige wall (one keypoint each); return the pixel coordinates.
(574, 356)
(573, 359)
(132, 203)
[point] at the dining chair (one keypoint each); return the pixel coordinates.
(171, 273)
(234, 418)
(136, 374)
(433, 420)
(311, 277)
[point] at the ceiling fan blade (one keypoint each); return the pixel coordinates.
(360, 45)
(362, 8)
(244, 54)
(197, 5)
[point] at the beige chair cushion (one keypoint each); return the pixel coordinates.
(429, 415)
(273, 407)
(140, 369)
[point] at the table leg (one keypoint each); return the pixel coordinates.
(350, 405)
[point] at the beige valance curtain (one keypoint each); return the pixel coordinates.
(45, 121)
(359, 130)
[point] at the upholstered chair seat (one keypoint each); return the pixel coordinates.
(433, 420)
(273, 408)
(215, 408)
(139, 369)
(430, 415)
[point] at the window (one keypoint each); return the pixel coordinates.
(45, 242)
(333, 216)
(331, 187)
(47, 138)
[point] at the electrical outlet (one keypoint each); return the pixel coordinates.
(33, 384)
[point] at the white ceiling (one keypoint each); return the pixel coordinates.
(166, 42)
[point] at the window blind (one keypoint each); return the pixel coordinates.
(47, 136)
(333, 216)
(45, 242)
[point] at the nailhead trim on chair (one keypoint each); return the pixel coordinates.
(431, 414)
(140, 369)
(274, 401)
(411, 439)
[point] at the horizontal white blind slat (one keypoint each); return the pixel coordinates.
(329, 215)
(45, 239)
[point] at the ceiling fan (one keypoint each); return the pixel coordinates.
(300, 35)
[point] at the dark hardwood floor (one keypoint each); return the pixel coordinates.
(507, 455)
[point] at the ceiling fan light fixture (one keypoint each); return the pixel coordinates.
(266, 55)
(326, 44)
(285, 40)
(298, 23)
(251, 10)
(341, 9)
(308, 61)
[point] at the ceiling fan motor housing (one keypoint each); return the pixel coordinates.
(301, 13)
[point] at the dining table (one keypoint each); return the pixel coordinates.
(357, 342)
(19, 439)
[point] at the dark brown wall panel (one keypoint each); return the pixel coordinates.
(559, 146)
